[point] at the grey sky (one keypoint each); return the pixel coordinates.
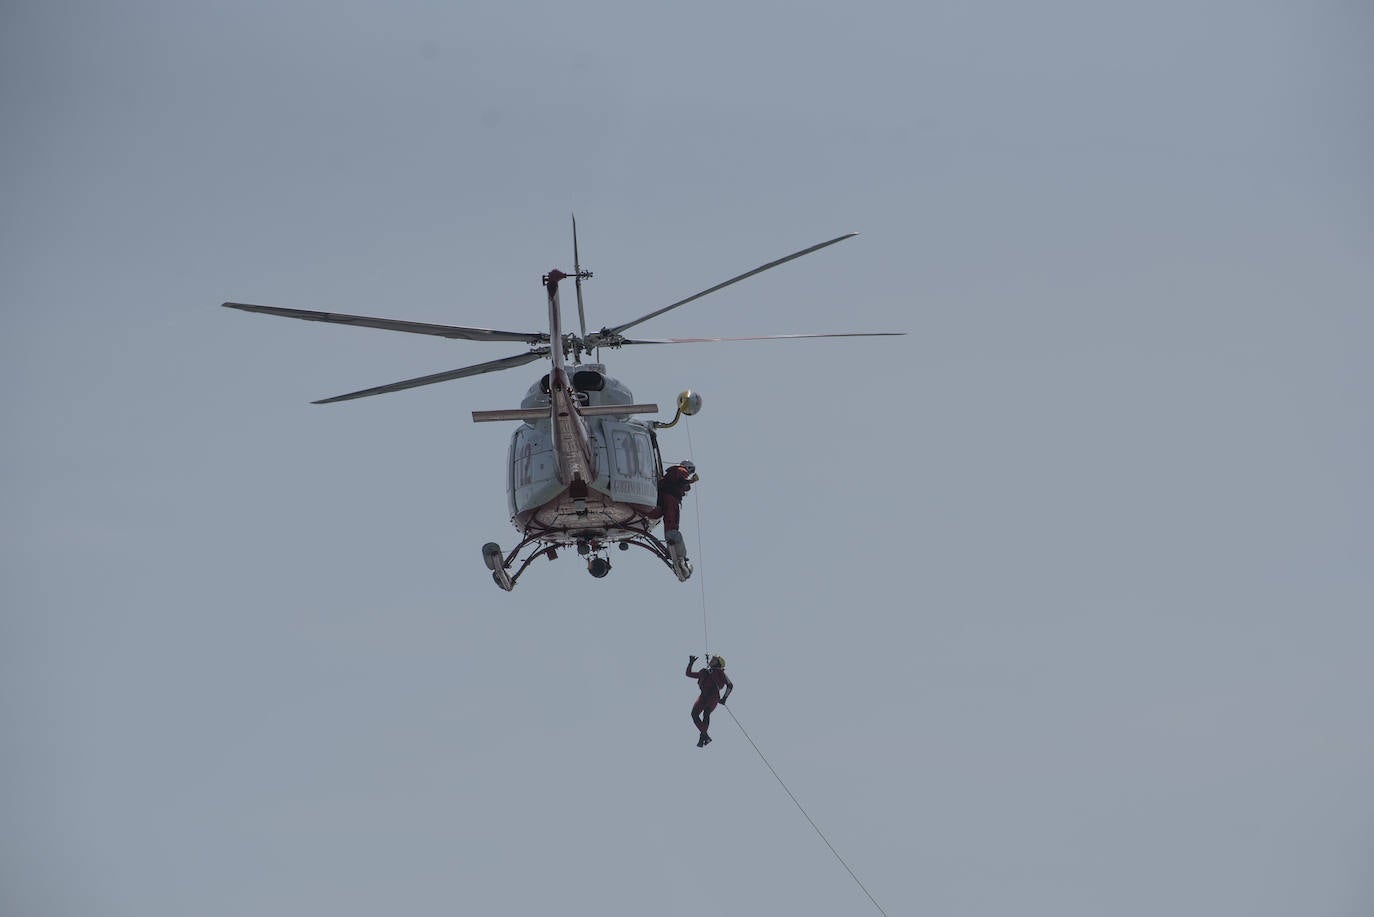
(1060, 605)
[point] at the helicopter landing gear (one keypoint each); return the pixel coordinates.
(491, 555)
(677, 554)
(594, 548)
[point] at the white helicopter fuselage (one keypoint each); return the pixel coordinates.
(620, 478)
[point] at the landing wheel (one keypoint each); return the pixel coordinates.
(491, 556)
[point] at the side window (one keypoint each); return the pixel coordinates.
(523, 461)
(646, 456)
(629, 458)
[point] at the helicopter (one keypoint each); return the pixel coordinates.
(581, 471)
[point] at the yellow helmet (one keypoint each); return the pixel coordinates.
(717, 662)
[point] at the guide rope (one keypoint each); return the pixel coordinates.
(795, 802)
(705, 637)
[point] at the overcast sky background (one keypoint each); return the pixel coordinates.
(1059, 605)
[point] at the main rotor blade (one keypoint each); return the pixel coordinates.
(620, 329)
(519, 359)
(769, 337)
(391, 324)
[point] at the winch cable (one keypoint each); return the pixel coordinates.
(700, 568)
(696, 504)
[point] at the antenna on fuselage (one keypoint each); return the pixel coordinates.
(578, 275)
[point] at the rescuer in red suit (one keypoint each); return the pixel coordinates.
(709, 682)
(672, 487)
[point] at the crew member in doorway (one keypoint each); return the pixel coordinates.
(709, 682)
(672, 487)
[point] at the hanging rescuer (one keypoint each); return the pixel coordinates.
(709, 682)
(677, 480)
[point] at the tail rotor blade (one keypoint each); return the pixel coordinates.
(475, 370)
(577, 274)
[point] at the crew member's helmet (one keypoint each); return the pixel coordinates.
(717, 662)
(689, 465)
